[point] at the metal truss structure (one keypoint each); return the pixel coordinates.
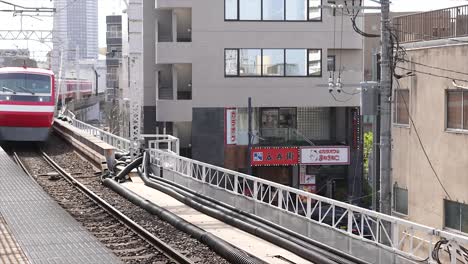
(38, 35)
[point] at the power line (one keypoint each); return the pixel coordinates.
(435, 67)
(69, 4)
(432, 74)
(341, 101)
(421, 144)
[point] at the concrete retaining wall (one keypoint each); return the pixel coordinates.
(97, 150)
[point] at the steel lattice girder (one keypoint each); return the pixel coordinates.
(39, 35)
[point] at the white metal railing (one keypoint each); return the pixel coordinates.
(408, 239)
(119, 143)
(164, 142)
(167, 143)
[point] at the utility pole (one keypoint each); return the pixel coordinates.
(136, 73)
(385, 110)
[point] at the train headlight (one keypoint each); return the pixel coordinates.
(7, 98)
(40, 99)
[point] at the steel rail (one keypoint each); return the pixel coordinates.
(164, 248)
(21, 164)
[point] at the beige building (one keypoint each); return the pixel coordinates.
(433, 190)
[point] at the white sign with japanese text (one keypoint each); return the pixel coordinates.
(335, 155)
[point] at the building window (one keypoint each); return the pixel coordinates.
(231, 59)
(250, 62)
(230, 9)
(273, 62)
(456, 216)
(296, 62)
(315, 13)
(250, 9)
(457, 109)
(273, 10)
(296, 10)
(315, 63)
(400, 200)
(114, 31)
(401, 107)
(331, 63)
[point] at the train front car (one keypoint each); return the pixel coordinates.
(27, 104)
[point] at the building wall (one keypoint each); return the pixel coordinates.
(210, 86)
(211, 35)
(447, 151)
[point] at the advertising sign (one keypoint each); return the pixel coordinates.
(274, 156)
(231, 126)
(338, 155)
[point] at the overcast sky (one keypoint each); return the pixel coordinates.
(109, 7)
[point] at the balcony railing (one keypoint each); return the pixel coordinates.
(437, 24)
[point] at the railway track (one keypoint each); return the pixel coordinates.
(128, 240)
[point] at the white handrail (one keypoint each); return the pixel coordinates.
(119, 143)
(167, 142)
(384, 230)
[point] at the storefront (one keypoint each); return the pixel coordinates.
(276, 164)
(324, 170)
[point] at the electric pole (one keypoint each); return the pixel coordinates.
(385, 110)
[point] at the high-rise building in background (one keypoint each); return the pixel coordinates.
(76, 28)
(114, 54)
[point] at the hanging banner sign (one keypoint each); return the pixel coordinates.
(274, 156)
(231, 126)
(338, 155)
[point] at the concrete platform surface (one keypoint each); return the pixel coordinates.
(256, 246)
(36, 229)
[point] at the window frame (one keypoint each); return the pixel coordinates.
(334, 63)
(308, 19)
(309, 63)
(394, 207)
(447, 128)
(395, 120)
(238, 62)
(460, 214)
(284, 58)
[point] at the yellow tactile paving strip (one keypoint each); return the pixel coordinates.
(10, 251)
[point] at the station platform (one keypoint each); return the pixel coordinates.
(35, 229)
(253, 245)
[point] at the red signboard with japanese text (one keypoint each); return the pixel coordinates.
(275, 156)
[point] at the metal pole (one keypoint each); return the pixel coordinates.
(249, 169)
(385, 112)
(374, 166)
(97, 81)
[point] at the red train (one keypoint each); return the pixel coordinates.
(75, 89)
(27, 103)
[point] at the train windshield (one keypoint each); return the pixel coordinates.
(25, 83)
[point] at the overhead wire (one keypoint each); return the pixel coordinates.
(69, 4)
(433, 74)
(435, 67)
(357, 29)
